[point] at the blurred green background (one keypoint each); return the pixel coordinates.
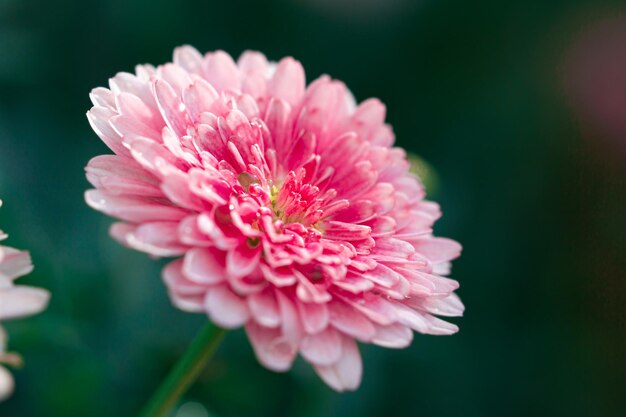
(530, 184)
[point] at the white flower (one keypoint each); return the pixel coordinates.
(16, 301)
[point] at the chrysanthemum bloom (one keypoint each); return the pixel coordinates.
(287, 208)
(15, 301)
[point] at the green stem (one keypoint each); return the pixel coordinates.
(185, 372)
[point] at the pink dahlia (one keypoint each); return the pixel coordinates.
(15, 301)
(285, 205)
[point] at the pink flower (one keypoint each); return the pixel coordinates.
(286, 207)
(15, 301)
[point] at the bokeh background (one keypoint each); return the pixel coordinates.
(520, 107)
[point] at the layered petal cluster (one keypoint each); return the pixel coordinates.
(285, 205)
(16, 301)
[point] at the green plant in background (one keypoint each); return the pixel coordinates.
(426, 173)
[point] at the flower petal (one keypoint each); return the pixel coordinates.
(322, 348)
(7, 384)
(270, 347)
(204, 266)
(14, 263)
(346, 373)
(22, 301)
(288, 81)
(264, 308)
(226, 308)
(314, 316)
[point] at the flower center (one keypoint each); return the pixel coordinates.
(296, 202)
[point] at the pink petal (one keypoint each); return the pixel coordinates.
(188, 58)
(203, 266)
(102, 97)
(175, 76)
(7, 384)
(395, 336)
(129, 83)
(383, 275)
(450, 306)
(22, 301)
(346, 373)
(278, 119)
(437, 326)
(253, 67)
(345, 231)
(347, 320)
(356, 212)
(291, 325)
(99, 120)
(176, 188)
(301, 151)
(129, 127)
(322, 348)
(14, 263)
(242, 260)
(133, 107)
(270, 347)
(277, 277)
(309, 292)
(171, 107)
(252, 63)
(411, 318)
(155, 238)
(190, 233)
(207, 225)
(199, 97)
(375, 308)
(179, 148)
(133, 209)
(368, 117)
(288, 81)
(321, 109)
(433, 284)
(390, 248)
(438, 249)
(121, 175)
(355, 284)
(225, 308)
(186, 295)
(423, 322)
(153, 156)
(221, 71)
(314, 317)
(384, 136)
(264, 308)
